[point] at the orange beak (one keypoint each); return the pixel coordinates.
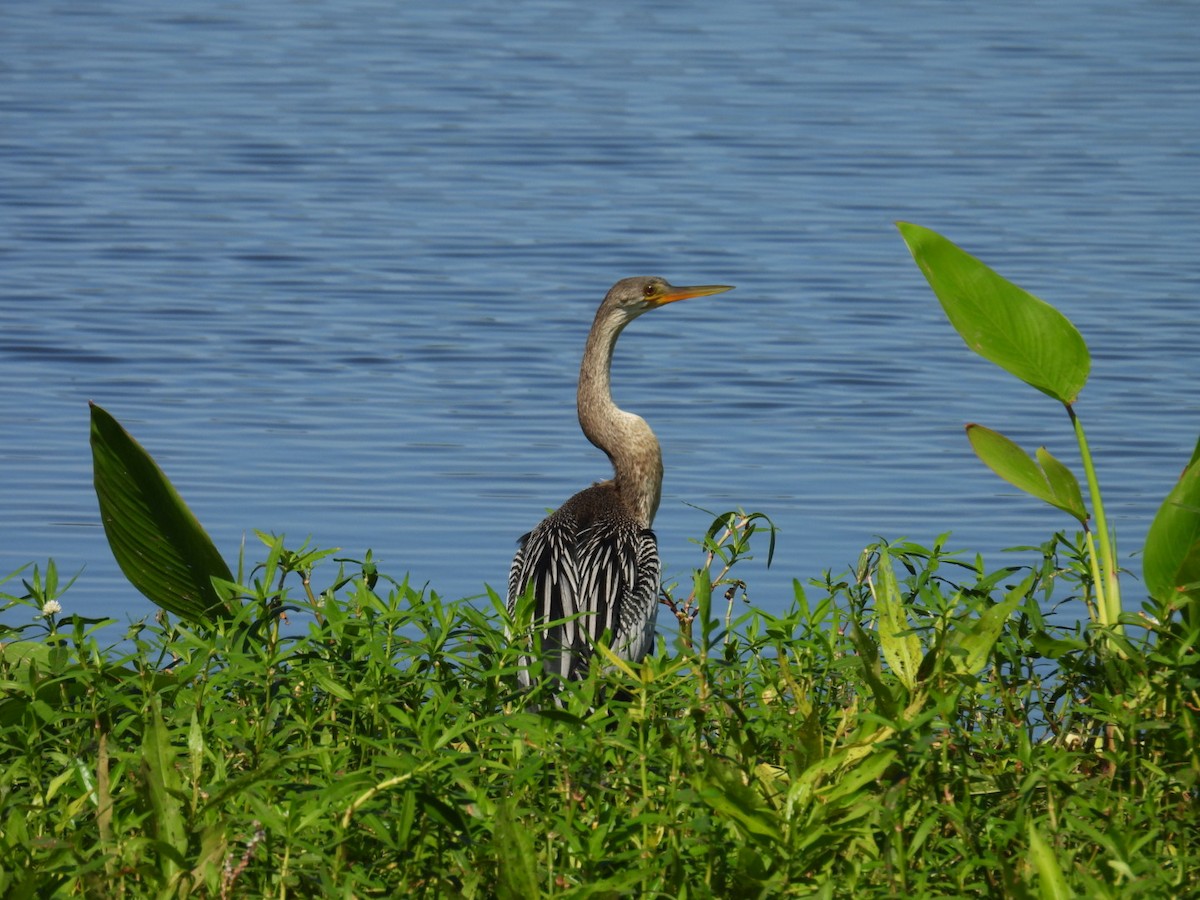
(671, 294)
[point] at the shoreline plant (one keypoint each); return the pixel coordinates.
(311, 726)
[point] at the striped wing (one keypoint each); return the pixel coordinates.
(600, 575)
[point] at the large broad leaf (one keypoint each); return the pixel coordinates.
(1045, 477)
(1171, 561)
(999, 320)
(158, 543)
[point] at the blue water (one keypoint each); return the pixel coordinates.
(333, 263)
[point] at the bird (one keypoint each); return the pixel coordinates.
(592, 566)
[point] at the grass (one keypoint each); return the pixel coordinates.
(917, 727)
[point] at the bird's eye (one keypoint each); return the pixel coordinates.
(650, 290)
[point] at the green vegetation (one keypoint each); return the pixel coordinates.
(312, 727)
(918, 728)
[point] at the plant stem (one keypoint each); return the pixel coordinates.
(1096, 608)
(1108, 590)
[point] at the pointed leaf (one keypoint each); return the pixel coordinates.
(1195, 454)
(1018, 468)
(1009, 461)
(161, 782)
(863, 765)
(872, 669)
(1064, 485)
(973, 640)
(900, 644)
(1051, 880)
(1171, 561)
(728, 795)
(158, 543)
(516, 857)
(999, 320)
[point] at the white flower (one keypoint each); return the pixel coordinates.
(50, 607)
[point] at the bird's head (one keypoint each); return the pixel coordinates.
(635, 296)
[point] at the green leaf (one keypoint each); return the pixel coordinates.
(1063, 485)
(900, 644)
(1171, 561)
(1055, 648)
(516, 857)
(162, 787)
(728, 795)
(1195, 454)
(702, 582)
(999, 320)
(1052, 883)
(1045, 478)
(1009, 461)
(158, 543)
(970, 643)
(872, 669)
(858, 772)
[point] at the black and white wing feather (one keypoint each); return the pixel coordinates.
(591, 574)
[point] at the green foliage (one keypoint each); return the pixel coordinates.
(159, 545)
(999, 320)
(914, 727)
(898, 640)
(1172, 559)
(1053, 882)
(1033, 341)
(1044, 476)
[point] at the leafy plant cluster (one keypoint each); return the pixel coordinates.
(313, 727)
(917, 727)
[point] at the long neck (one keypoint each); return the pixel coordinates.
(626, 438)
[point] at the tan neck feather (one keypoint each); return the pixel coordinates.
(626, 438)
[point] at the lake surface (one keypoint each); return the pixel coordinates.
(333, 265)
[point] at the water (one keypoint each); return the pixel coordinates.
(333, 263)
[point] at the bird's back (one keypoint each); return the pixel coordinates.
(593, 562)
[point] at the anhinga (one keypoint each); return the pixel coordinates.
(594, 561)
